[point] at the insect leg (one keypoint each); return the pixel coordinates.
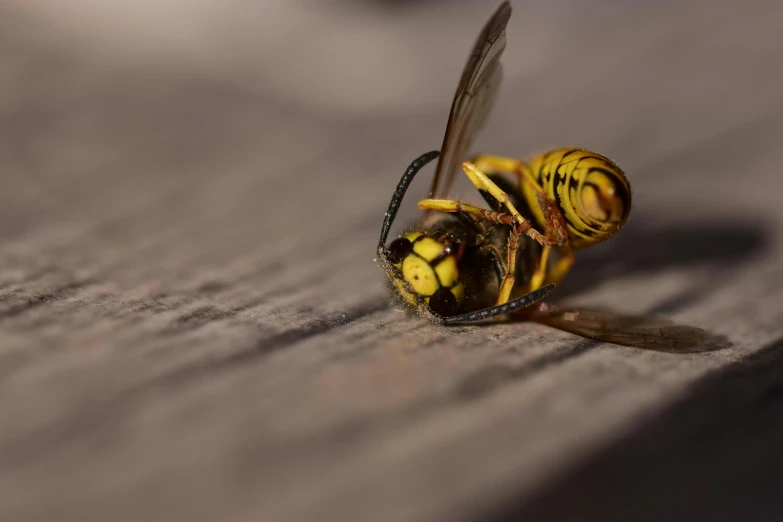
(491, 163)
(482, 182)
(538, 276)
(510, 278)
(497, 264)
(556, 230)
(562, 265)
(555, 227)
(457, 207)
(555, 223)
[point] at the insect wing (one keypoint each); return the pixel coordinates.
(473, 99)
(650, 333)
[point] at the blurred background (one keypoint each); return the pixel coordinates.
(187, 184)
(212, 110)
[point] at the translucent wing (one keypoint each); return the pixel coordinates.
(650, 333)
(473, 100)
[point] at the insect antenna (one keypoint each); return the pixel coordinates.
(399, 193)
(506, 308)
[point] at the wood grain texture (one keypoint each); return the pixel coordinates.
(192, 326)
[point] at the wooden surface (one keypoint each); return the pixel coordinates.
(193, 328)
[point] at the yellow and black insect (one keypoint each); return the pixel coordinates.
(462, 263)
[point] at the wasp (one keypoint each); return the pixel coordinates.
(462, 263)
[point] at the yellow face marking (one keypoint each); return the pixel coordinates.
(410, 236)
(459, 292)
(428, 248)
(419, 278)
(403, 292)
(420, 275)
(447, 271)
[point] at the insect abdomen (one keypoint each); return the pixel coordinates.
(590, 190)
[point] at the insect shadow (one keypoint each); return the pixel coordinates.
(714, 247)
(644, 249)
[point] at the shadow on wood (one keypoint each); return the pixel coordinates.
(643, 249)
(646, 332)
(714, 455)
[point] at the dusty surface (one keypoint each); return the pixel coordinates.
(193, 328)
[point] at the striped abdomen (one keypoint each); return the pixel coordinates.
(590, 190)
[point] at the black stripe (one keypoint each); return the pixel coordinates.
(440, 257)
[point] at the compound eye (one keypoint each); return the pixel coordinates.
(399, 249)
(443, 303)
